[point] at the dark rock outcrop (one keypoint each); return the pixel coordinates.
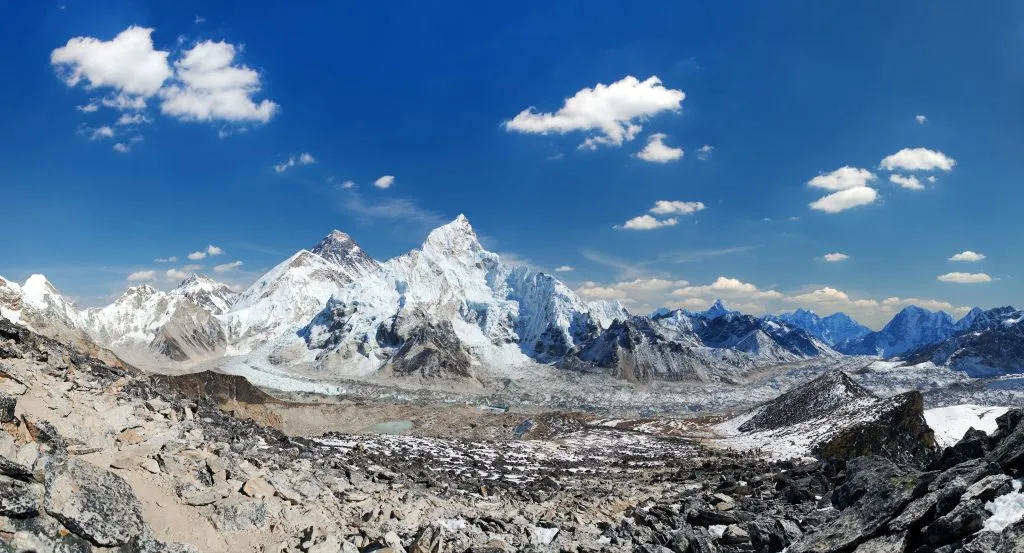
(93, 503)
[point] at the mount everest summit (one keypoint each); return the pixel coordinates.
(449, 309)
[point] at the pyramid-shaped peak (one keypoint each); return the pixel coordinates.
(817, 398)
(457, 235)
(339, 248)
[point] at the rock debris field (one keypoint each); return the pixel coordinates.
(95, 457)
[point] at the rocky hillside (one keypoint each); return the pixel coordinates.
(97, 458)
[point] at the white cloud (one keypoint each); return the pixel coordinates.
(662, 207)
(641, 291)
(214, 250)
(132, 119)
(305, 158)
(918, 159)
(669, 207)
(843, 178)
(910, 183)
(968, 255)
(348, 185)
(139, 276)
(196, 256)
(122, 148)
(835, 257)
(614, 112)
(91, 107)
(920, 119)
(704, 152)
(845, 199)
(102, 132)
(226, 267)
(726, 286)
(209, 86)
(200, 19)
(656, 151)
(128, 62)
(124, 102)
(177, 274)
(965, 278)
(646, 222)
(564, 269)
(171, 259)
(192, 268)
(384, 182)
(932, 179)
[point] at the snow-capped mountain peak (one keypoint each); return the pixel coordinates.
(455, 238)
(833, 329)
(339, 248)
(215, 296)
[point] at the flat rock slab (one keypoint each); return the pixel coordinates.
(93, 503)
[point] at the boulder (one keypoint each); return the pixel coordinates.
(894, 543)
(93, 503)
(19, 499)
(874, 492)
(7, 404)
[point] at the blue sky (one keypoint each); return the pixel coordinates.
(430, 95)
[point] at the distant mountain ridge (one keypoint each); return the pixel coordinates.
(448, 309)
(833, 329)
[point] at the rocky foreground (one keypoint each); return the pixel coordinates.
(96, 457)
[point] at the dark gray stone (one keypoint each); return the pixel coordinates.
(7, 404)
(93, 503)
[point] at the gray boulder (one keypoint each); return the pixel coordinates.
(93, 503)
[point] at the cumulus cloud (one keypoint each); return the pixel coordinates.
(725, 286)
(177, 274)
(384, 182)
(128, 62)
(141, 276)
(122, 148)
(965, 278)
(835, 257)
(102, 132)
(704, 152)
(656, 151)
(638, 292)
(305, 158)
(849, 186)
(227, 267)
(918, 159)
(646, 222)
(613, 113)
(910, 183)
(201, 254)
(564, 269)
(920, 119)
(844, 178)
(210, 86)
(205, 83)
(670, 207)
(845, 199)
(968, 255)
(662, 207)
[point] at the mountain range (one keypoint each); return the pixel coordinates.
(450, 309)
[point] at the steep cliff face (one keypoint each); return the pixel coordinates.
(894, 428)
(833, 417)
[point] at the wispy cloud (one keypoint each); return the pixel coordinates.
(402, 211)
